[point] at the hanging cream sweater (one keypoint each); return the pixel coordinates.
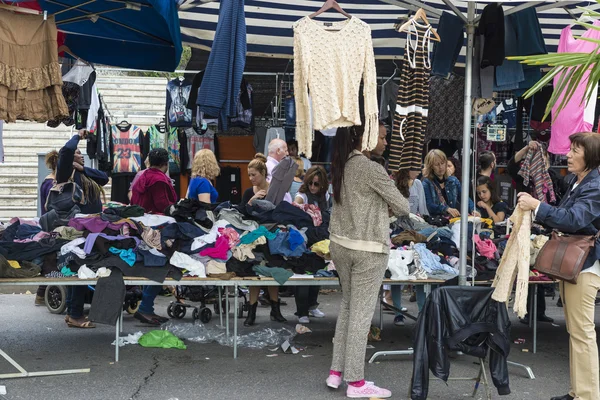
(515, 264)
(330, 60)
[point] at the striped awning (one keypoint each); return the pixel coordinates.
(269, 22)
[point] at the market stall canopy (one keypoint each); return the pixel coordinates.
(142, 34)
(269, 25)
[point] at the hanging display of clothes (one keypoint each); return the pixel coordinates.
(387, 102)
(508, 109)
(272, 133)
(31, 81)
(223, 74)
(155, 137)
(576, 116)
(491, 27)
(446, 114)
(412, 105)
(196, 141)
(331, 59)
(178, 93)
(245, 115)
(126, 148)
(178, 153)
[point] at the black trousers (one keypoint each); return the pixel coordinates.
(306, 298)
(541, 299)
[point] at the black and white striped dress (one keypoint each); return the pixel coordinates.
(410, 117)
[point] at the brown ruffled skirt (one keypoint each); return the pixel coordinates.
(30, 76)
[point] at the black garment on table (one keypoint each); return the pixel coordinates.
(192, 211)
(308, 262)
(49, 264)
(491, 26)
(459, 318)
(120, 187)
(316, 234)
(260, 211)
(102, 244)
(95, 261)
(126, 212)
(229, 185)
(286, 214)
(180, 230)
(31, 250)
(149, 259)
(241, 268)
(107, 303)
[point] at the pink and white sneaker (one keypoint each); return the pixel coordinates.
(366, 391)
(334, 381)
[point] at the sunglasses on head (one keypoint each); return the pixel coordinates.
(315, 184)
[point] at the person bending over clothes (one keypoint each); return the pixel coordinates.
(49, 181)
(489, 204)
(153, 191)
(314, 191)
(71, 163)
(363, 196)
(204, 170)
(257, 173)
(442, 192)
(578, 213)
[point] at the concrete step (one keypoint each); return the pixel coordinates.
(27, 200)
(8, 212)
(19, 168)
(17, 189)
(9, 179)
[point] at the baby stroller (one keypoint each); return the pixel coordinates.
(205, 295)
(56, 296)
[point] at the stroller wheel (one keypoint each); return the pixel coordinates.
(242, 307)
(133, 307)
(195, 314)
(176, 311)
(205, 315)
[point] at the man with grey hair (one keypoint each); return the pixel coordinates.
(278, 150)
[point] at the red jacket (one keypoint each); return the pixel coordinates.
(153, 191)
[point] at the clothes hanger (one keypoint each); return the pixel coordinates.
(329, 5)
(23, 10)
(123, 124)
(419, 15)
(394, 74)
(66, 49)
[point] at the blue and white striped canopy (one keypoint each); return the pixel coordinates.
(269, 22)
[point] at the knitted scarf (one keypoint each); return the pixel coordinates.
(515, 263)
(534, 169)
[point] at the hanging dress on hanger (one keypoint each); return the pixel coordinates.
(410, 117)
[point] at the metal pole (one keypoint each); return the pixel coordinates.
(235, 320)
(464, 203)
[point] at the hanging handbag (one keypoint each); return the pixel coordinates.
(63, 196)
(563, 256)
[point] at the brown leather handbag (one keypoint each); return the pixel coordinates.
(563, 256)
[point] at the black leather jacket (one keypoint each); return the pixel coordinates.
(459, 318)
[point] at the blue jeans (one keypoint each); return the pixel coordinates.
(290, 111)
(397, 298)
(148, 296)
(76, 300)
(451, 29)
(420, 289)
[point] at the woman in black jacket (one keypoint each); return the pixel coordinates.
(578, 213)
(91, 181)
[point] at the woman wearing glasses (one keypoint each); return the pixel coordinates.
(313, 191)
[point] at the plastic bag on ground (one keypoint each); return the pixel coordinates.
(200, 333)
(161, 339)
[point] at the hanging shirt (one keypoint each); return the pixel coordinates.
(155, 137)
(127, 149)
(197, 142)
(178, 92)
(508, 108)
(576, 116)
(173, 148)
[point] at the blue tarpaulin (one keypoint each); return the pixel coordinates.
(141, 34)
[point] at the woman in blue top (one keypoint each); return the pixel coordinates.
(442, 192)
(204, 170)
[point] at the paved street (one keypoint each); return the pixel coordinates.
(39, 340)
